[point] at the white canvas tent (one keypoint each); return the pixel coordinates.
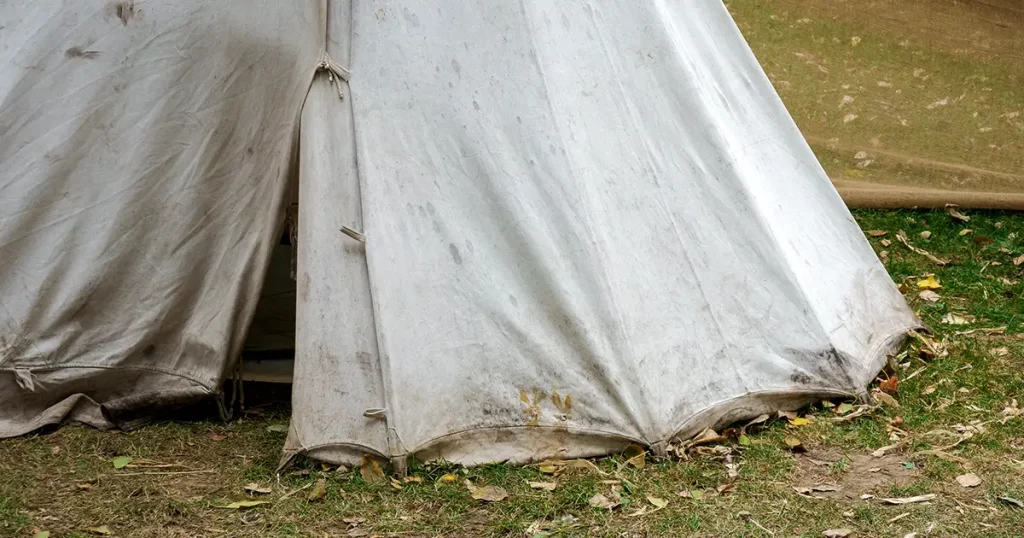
(584, 223)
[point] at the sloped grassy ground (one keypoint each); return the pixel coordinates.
(925, 93)
(183, 473)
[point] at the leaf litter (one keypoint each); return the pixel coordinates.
(486, 493)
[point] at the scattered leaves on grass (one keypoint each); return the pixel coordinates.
(968, 480)
(930, 283)
(370, 470)
(253, 488)
(910, 500)
(486, 493)
(121, 462)
(930, 296)
(242, 505)
(318, 492)
(1019, 260)
(799, 421)
(546, 486)
(837, 533)
(877, 233)
(901, 236)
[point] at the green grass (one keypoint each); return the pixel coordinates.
(64, 481)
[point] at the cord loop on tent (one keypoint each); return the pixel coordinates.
(336, 73)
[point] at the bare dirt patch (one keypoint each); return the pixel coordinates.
(851, 475)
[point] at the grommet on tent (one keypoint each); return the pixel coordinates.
(358, 236)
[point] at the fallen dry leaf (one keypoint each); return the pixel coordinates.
(925, 234)
(489, 494)
(968, 480)
(795, 444)
(447, 479)
(695, 494)
(657, 502)
(902, 237)
(599, 500)
(789, 415)
(758, 420)
(837, 533)
(242, 505)
(546, 486)
(102, 530)
(1012, 502)
(413, 480)
(1000, 351)
(1019, 260)
(889, 386)
(930, 296)
(799, 421)
(929, 389)
(910, 500)
(255, 489)
(952, 212)
(877, 233)
(953, 318)
(318, 492)
(929, 283)
(370, 470)
(218, 436)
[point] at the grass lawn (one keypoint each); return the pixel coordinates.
(958, 404)
(952, 414)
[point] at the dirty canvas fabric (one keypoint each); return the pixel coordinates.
(525, 230)
(144, 158)
(586, 224)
